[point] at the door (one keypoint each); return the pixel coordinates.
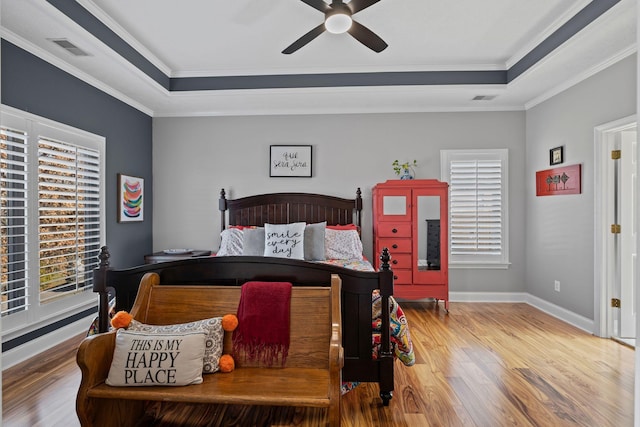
(628, 233)
(615, 199)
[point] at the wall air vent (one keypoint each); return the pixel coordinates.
(483, 97)
(70, 47)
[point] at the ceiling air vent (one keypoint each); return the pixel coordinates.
(483, 97)
(70, 47)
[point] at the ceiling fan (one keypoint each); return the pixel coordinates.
(337, 20)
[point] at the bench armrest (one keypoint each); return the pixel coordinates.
(94, 359)
(336, 352)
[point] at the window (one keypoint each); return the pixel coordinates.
(13, 225)
(478, 220)
(52, 227)
(68, 217)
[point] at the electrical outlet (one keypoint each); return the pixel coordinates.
(556, 285)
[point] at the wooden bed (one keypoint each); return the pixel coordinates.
(357, 286)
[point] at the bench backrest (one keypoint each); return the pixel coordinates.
(313, 310)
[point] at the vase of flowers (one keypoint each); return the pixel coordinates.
(404, 170)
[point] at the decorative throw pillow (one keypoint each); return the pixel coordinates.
(314, 241)
(142, 359)
(212, 344)
(231, 242)
(343, 244)
(284, 240)
(253, 242)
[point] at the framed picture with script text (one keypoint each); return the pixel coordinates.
(290, 161)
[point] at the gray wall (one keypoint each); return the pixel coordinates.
(32, 85)
(560, 229)
(193, 158)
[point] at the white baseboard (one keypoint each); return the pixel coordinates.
(563, 314)
(33, 348)
(487, 296)
(558, 312)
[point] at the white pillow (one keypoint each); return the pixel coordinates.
(231, 242)
(213, 340)
(142, 359)
(284, 240)
(342, 244)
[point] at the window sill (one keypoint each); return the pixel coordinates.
(483, 266)
(19, 325)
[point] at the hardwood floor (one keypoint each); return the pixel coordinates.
(481, 365)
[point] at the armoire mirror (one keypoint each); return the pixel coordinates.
(428, 239)
(394, 205)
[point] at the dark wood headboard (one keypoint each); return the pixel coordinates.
(285, 208)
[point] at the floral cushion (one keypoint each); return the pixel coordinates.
(231, 242)
(342, 244)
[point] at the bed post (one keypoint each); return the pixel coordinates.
(222, 206)
(359, 208)
(100, 287)
(386, 353)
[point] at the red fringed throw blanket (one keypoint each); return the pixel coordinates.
(262, 334)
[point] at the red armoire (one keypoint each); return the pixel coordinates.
(410, 218)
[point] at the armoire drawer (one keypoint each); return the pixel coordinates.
(400, 261)
(401, 276)
(394, 229)
(395, 245)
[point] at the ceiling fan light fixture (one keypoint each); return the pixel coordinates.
(338, 22)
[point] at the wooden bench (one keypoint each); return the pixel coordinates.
(311, 377)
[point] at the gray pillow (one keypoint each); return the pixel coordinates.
(314, 241)
(253, 241)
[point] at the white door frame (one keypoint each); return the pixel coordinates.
(602, 269)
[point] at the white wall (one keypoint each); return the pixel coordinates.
(193, 158)
(560, 229)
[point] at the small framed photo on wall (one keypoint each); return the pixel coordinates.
(556, 156)
(130, 198)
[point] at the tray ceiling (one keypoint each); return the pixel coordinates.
(204, 57)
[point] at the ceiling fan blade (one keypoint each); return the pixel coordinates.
(318, 5)
(358, 5)
(305, 39)
(367, 37)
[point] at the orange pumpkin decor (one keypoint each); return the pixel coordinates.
(226, 363)
(229, 322)
(121, 320)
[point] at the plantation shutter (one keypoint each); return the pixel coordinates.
(13, 225)
(476, 207)
(69, 217)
